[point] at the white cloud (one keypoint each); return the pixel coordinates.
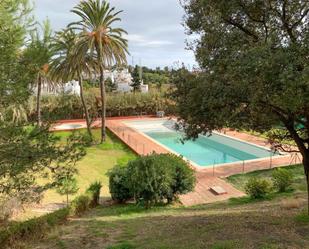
(156, 34)
(142, 41)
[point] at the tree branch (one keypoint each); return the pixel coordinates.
(241, 27)
(294, 25)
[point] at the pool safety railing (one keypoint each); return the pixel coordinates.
(126, 136)
(253, 165)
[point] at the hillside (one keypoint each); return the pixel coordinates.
(276, 223)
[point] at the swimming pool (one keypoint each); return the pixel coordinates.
(205, 151)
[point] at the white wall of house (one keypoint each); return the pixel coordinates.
(71, 87)
(144, 88)
(124, 87)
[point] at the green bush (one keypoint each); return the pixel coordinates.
(183, 175)
(257, 188)
(94, 192)
(32, 229)
(150, 179)
(282, 179)
(153, 178)
(118, 184)
(80, 205)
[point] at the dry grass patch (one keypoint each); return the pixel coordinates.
(294, 203)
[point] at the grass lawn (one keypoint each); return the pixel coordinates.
(94, 166)
(261, 225)
(274, 223)
(299, 182)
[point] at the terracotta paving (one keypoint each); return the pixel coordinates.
(139, 143)
(202, 193)
(206, 177)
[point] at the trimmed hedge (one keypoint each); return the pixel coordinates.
(34, 228)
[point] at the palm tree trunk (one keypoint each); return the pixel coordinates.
(38, 101)
(103, 99)
(80, 82)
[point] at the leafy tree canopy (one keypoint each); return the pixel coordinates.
(253, 58)
(28, 154)
(14, 21)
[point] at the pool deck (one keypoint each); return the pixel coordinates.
(207, 177)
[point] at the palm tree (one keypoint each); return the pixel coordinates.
(37, 56)
(102, 40)
(70, 63)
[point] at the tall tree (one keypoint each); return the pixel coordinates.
(136, 78)
(254, 72)
(69, 62)
(27, 152)
(104, 41)
(37, 56)
(14, 20)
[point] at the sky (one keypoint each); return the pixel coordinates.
(155, 32)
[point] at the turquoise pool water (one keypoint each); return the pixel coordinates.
(204, 151)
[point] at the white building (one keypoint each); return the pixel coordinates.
(121, 78)
(72, 87)
(144, 88)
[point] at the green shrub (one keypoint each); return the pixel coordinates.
(94, 192)
(80, 205)
(282, 179)
(155, 178)
(32, 229)
(118, 184)
(150, 179)
(257, 188)
(183, 174)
